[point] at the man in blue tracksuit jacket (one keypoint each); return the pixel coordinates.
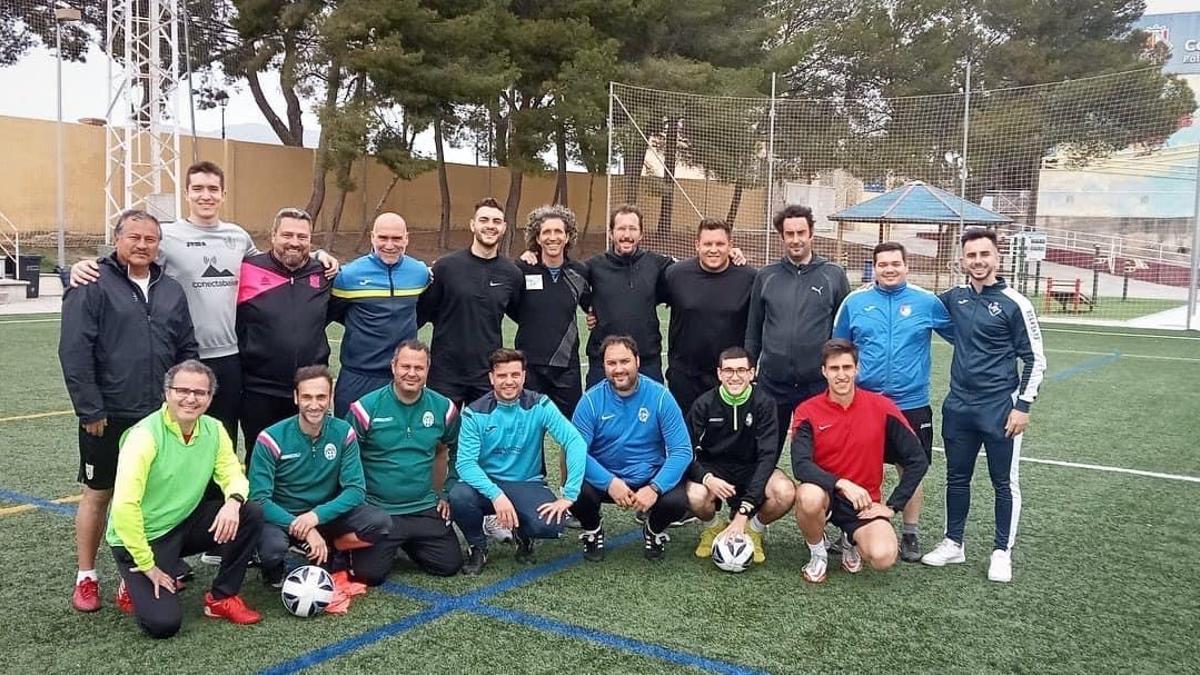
(638, 450)
(989, 398)
(891, 322)
(501, 463)
(375, 298)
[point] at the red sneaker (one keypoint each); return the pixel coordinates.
(231, 608)
(86, 597)
(124, 602)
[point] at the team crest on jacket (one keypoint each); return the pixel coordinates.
(427, 419)
(905, 310)
(643, 414)
(749, 420)
(314, 280)
(994, 308)
(330, 451)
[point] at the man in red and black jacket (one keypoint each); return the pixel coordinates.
(840, 442)
(282, 310)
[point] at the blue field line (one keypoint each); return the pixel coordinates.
(614, 641)
(1086, 366)
(21, 498)
(539, 571)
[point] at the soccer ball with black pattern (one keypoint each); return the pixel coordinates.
(307, 591)
(732, 553)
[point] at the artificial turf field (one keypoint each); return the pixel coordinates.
(1104, 576)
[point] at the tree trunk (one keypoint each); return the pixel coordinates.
(367, 224)
(290, 136)
(443, 184)
(735, 203)
(587, 218)
(511, 204)
(317, 197)
(560, 145)
(667, 205)
(336, 216)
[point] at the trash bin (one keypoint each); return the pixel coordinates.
(31, 271)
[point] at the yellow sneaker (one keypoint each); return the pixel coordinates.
(760, 552)
(707, 536)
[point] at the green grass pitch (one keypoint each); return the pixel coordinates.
(1104, 575)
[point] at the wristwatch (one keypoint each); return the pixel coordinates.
(656, 490)
(238, 498)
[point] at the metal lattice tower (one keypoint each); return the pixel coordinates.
(142, 142)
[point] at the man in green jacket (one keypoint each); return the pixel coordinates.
(308, 478)
(159, 514)
(406, 433)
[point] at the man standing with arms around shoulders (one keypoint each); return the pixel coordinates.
(407, 433)
(119, 337)
(791, 315)
(638, 451)
(375, 298)
(160, 513)
(989, 400)
(840, 442)
(891, 323)
(471, 292)
(502, 468)
(736, 449)
(710, 302)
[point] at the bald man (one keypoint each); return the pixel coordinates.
(375, 298)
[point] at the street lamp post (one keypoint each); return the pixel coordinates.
(61, 14)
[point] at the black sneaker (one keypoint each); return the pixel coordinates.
(476, 559)
(686, 520)
(301, 549)
(910, 548)
(571, 522)
(655, 544)
(272, 578)
(524, 546)
(593, 545)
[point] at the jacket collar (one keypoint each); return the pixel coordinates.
(630, 259)
(891, 291)
(172, 426)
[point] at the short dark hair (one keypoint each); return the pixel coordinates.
(623, 209)
(792, 211)
(889, 246)
(134, 214)
(190, 366)
(624, 340)
(837, 347)
(714, 224)
(731, 353)
(505, 355)
(203, 167)
(973, 233)
(413, 345)
(314, 372)
(489, 202)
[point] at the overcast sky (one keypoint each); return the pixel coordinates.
(85, 93)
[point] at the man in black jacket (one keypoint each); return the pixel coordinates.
(735, 440)
(119, 336)
(792, 307)
(283, 306)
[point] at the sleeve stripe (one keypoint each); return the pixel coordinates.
(364, 420)
(270, 444)
(351, 436)
(451, 413)
(1031, 373)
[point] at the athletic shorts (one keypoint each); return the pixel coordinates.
(740, 479)
(921, 421)
(844, 516)
(98, 454)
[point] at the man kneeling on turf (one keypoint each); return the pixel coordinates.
(501, 463)
(159, 514)
(840, 441)
(735, 437)
(306, 473)
(638, 450)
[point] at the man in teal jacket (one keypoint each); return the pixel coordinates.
(501, 463)
(308, 478)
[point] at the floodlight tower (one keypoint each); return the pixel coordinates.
(142, 140)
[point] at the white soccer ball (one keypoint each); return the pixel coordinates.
(732, 553)
(307, 591)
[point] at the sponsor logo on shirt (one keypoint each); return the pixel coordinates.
(493, 284)
(963, 301)
(643, 414)
(823, 427)
(330, 451)
(193, 244)
(817, 289)
(427, 419)
(605, 418)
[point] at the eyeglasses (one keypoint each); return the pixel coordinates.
(184, 392)
(740, 372)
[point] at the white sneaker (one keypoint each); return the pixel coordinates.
(947, 552)
(1001, 567)
(851, 559)
(491, 527)
(814, 571)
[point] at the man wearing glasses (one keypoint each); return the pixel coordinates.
(735, 442)
(283, 306)
(119, 336)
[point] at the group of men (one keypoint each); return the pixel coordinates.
(412, 440)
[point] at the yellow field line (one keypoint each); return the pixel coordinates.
(17, 418)
(14, 510)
